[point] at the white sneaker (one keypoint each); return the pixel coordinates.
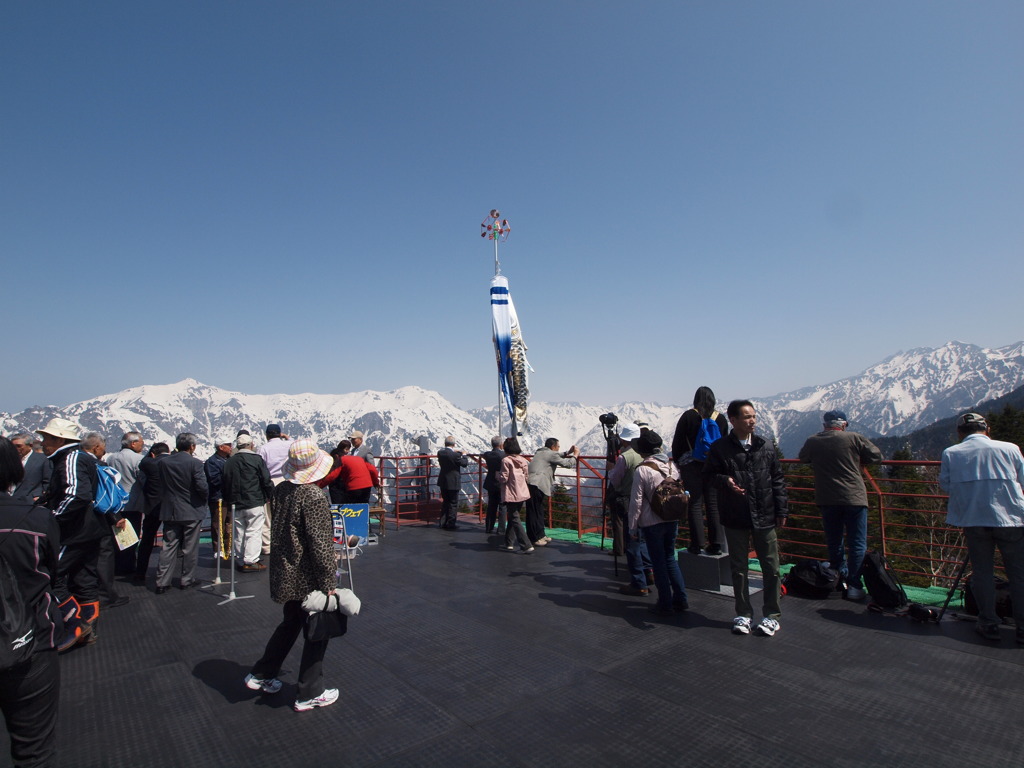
(741, 625)
(266, 685)
(768, 627)
(541, 543)
(325, 699)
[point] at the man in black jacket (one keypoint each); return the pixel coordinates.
(751, 503)
(70, 497)
(247, 487)
(495, 509)
(449, 481)
(30, 688)
(152, 492)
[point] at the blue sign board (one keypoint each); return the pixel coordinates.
(356, 517)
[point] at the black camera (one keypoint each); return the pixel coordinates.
(608, 419)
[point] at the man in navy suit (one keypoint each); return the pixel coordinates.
(37, 469)
(182, 509)
(449, 480)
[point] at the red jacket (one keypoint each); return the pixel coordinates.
(352, 473)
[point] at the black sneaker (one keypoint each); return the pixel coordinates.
(988, 632)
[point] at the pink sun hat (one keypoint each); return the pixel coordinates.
(306, 463)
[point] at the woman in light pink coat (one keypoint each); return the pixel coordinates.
(514, 491)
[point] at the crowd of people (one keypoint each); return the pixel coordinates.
(275, 501)
(63, 554)
(736, 502)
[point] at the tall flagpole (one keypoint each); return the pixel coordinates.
(497, 229)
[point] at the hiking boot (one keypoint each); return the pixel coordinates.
(325, 699)
(262, 684)
(75, 632)
(768, 627)
(89, 612)
(741, 625)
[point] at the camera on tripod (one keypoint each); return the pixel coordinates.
(609, 422)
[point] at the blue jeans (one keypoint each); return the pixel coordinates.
(638, 560)
(661, 546)
(981, 545)
(854, 521)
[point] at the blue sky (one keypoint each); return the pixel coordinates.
(286, 197)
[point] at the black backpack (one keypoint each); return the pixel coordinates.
(882, 582)
(670, 499)
(811, 578)
(17, 622)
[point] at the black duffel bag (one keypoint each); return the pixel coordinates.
(811, 578)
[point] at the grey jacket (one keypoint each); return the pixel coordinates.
(126, 461)
(183, 488)
(37, 477)
(837, 457)
(542, 468)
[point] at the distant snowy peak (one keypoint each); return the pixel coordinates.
(907, 390)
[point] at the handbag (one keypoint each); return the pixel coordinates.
(323, 625)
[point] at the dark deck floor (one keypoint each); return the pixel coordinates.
(469, 656)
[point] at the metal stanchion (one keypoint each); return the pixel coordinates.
(230, 542)
(218, 553)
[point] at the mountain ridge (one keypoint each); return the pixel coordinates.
(903, 392)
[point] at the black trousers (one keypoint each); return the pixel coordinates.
(536, 508)
(693, 478)
(358, 496)
(494, 510)
(77, 572)
(147, 540)
(449, 507)
(105, 568)
(125, 559)
(29, 694)
(311, 666)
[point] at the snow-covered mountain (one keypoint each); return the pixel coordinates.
(900, 394)
(393, 421)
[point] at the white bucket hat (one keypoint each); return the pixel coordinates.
(61, 428)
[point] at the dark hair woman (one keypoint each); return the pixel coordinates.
(30, 685)
(692, 470)
(514, 491)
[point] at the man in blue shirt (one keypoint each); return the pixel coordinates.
(984, 479)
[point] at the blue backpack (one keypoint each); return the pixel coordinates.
(110, 496)
(706, 435)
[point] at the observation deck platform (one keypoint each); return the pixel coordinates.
(465, 655)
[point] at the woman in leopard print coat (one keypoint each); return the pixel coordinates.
(302, 559)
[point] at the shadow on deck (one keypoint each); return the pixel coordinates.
(469, 656)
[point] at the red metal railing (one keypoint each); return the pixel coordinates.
(906, 509)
